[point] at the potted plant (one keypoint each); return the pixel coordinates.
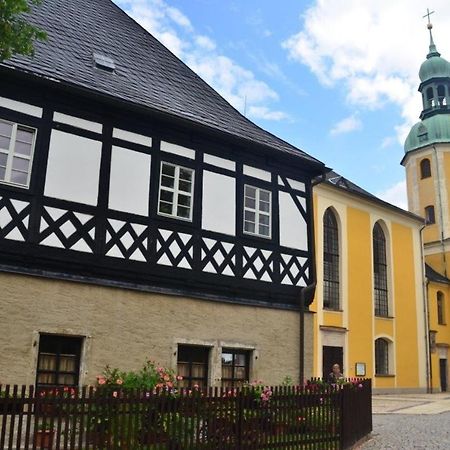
(43, 437)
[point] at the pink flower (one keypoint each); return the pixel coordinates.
(114, 394)
(360, 386)
(101, 380)
(179, 377)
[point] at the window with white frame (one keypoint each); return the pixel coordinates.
(176, 191)
(257, 211)
(16, 152)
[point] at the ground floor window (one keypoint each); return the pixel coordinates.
(235, 367)
(58, 361)
(381, 357)
(192, 365)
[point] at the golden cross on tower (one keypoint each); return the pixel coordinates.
(428, 14)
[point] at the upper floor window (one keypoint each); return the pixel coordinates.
(192, 365)
(429, 215)
(425, 168)
(380, 272)
(176, 191)
(440, 308)
(330, 261)
(16, 152)
(58, 361)
(381, 357)
(235, 367)
(257, 211)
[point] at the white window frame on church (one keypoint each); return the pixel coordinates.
(255, 213)
(9, 145)
(176, 191)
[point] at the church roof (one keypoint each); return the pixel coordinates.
(430, 130)
(142, 71)
(334, 179)
(432, 275)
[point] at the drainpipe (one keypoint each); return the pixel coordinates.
(305, 292)
(308, 291)
(441, 212)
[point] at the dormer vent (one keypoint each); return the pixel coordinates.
(104, 62)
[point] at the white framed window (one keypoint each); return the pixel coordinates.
(16, 153)
(176, 189)
(257, 211)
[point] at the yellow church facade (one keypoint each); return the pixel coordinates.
(369, 305)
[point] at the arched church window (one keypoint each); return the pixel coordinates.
(381, 356)
(330, 260)
(429, 215)
(430, 99)
(425, 168)
(440, 308)
(380, 281)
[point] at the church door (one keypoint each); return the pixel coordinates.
(443, 374)
(330, 356)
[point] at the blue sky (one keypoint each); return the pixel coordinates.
(337, 78)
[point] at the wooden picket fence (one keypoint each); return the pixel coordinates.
(316, 416)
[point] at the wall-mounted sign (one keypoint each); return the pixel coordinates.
(360, 369)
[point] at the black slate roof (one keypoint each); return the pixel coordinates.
(432, 275)
(344, 183)
(147, 73)
(337, 180)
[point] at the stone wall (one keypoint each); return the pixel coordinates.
(124, 328)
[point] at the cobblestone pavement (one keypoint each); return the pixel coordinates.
(409, 431)
(404, 422)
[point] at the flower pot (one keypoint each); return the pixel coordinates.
(44, 439)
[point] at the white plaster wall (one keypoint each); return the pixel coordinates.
(293, 231)
(219, 195)
(130, 181)
(73, 168)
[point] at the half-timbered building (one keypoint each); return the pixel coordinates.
(142, 216)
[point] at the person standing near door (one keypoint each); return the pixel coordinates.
(335, 374)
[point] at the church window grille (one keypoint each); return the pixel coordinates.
(381, 357)
(440, 308)
(380, 272)
(330, 261)
(430, 217)
(425, 168)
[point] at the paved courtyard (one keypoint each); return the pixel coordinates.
(410, 422)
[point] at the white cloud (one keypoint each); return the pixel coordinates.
(396, 195)
(235, 83)
(346, 125)
(388, 141)
(373, 48)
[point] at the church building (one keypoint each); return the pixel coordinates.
(142, 216)
(369, 300)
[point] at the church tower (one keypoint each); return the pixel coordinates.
(427, 159)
